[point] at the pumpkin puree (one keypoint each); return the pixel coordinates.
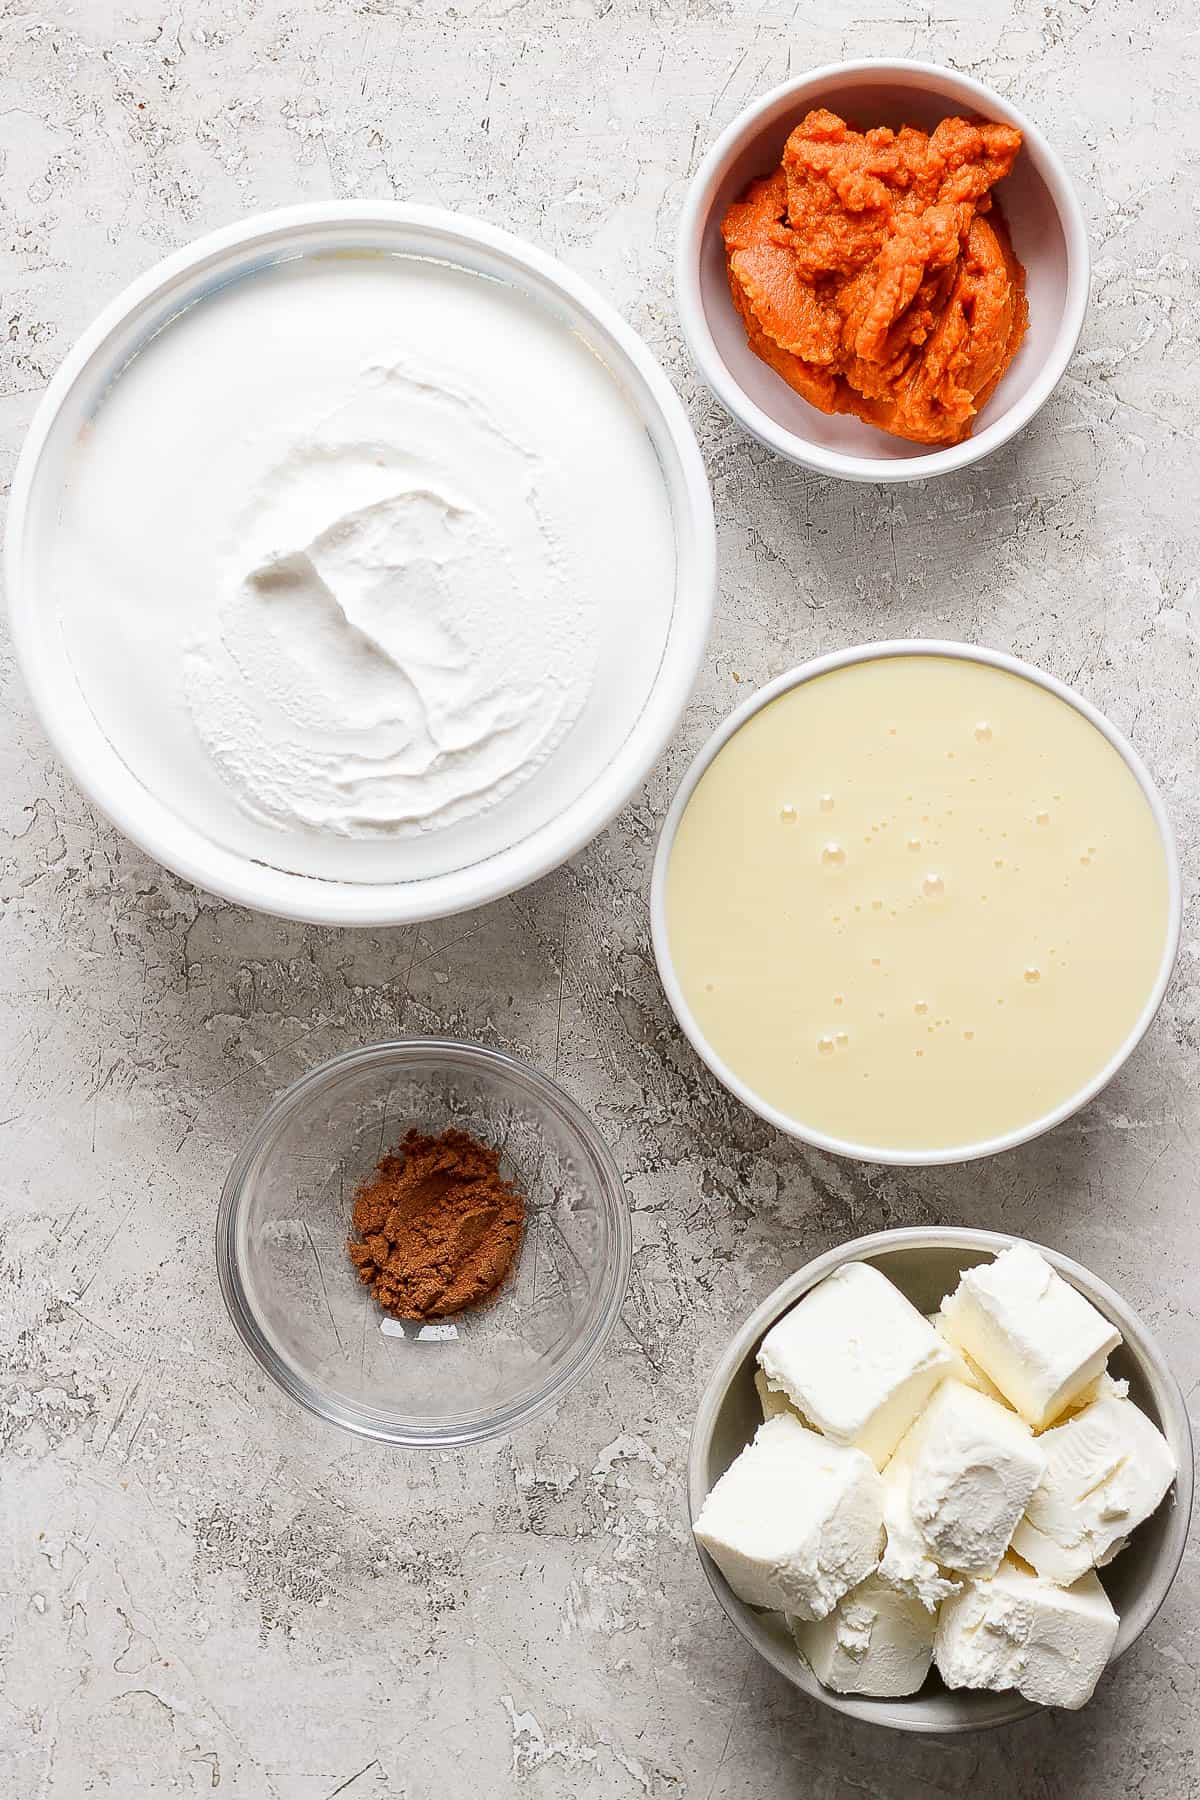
(874, 272)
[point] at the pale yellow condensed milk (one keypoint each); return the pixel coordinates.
(917, 902)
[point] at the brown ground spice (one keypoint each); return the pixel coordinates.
(439, 1225)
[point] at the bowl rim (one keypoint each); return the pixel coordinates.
(1175, 1423)
(167, 836)
(372, 1422)
(689, 287)
(821, 665)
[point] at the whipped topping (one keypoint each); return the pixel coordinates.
(417, 657)
(349, 550)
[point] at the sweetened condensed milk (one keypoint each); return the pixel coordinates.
(917, 902)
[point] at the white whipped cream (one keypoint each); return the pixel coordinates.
(348, 548)
(417, 656)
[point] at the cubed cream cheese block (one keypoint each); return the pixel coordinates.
(1030, 1331)
(965, 1368)
(906, 1562)
(973, 1465)
(1014, 1630)
(796, 1521)
(772, 1400)
(1095, 1390)
(877, 1640)
(857, 1359)
(1107, 1469)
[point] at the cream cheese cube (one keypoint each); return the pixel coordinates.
(876, 1640)
(906, 1563)
(1107, 1469)
(1014, 1630)
(973, 1465)
(856, 1359)
(1095, 1390)
(965, 1368)
(773, 1400)
(1030, 1331)
(795, 1521)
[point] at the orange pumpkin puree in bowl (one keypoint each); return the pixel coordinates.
(874, 271)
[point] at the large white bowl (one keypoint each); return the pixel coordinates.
(884, 1153)
(122, 328)
(925, 1262)
(1048, 235)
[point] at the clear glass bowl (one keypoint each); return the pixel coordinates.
(295, 1297)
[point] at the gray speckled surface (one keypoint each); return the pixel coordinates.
(206, 1592)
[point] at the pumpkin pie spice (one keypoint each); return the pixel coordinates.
(437, 1225)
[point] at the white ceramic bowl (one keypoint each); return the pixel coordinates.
(883, 1153)
(1048, 235)
(122, 328)
(924, 1262)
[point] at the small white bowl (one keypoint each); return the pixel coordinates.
(124, 326)
(1048, 234)
(883, 1153)
(925, 1262)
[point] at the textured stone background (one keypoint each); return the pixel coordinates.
(205, 1592)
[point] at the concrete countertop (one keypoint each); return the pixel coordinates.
(205, 1592)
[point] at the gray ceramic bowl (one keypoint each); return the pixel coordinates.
(925, 1262)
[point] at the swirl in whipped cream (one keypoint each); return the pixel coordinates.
(418, 656)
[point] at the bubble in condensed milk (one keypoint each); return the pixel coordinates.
(833, 855)
(788, 814)
(933, 886)
(825, 1045)
(1033, 975)
(826, 802)
(983, 732)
